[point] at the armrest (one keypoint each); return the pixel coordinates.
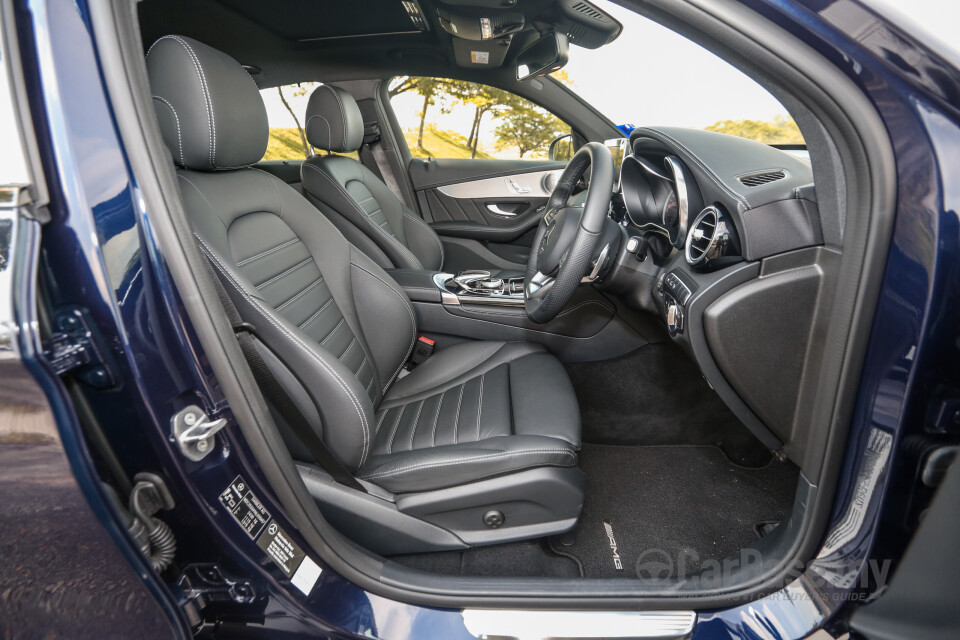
(417, 283)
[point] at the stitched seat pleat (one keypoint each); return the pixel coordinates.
(286, 276)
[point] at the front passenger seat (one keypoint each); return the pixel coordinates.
(479, 428)
(342, 186)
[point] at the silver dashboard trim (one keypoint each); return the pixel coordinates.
(683, 200)
(536, 184)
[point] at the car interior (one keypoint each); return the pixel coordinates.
(619, 368)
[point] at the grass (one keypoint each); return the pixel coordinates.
(284, 144)
(439, 144)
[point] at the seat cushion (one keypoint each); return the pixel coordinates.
(472, 411)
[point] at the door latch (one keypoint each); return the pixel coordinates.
(195, 432)
(76, 349)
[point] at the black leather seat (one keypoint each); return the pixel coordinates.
(336, 330)
(367, 212)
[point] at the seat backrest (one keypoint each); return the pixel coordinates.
(344, 188)
(335, 329)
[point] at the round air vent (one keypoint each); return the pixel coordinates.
(707, 237)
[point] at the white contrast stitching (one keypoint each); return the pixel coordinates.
(363, 214)
(413, 322)
(264, 254)
(416, 423)
(447, 463)
(177, 118)
(432, 233)
(480, 406)
(207, 99)
(313, 354)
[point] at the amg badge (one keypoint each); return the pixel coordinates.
(613, 546)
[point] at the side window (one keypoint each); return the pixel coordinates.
(444, 118)
(286, 115)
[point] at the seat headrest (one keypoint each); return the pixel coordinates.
(333, 122)
(210, 110)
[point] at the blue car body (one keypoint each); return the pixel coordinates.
(100, 249)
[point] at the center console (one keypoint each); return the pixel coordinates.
(478, 305)
(476, 286)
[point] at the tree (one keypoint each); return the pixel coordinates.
(483, 98)
(300, 91)
(780, 130)
(428, 88)
(526, 127)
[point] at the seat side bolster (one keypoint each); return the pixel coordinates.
(337, 394)
(423, 241)
(451, 465)
(390, 333)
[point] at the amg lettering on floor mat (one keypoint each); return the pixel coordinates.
(617, 563)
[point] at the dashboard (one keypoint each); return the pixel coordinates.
(721, 236)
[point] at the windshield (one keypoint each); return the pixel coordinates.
(652, 76)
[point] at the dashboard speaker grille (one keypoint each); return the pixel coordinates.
(757, 179)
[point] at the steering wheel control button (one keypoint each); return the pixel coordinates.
(493, 518)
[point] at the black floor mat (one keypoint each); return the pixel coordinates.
(530, 558)
(654, 396)
(670, 508)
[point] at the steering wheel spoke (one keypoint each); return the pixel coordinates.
(538, 285)
(568, 236)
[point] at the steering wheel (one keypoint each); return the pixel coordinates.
(568, 236)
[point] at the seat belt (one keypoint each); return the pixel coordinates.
(371, 151)
(276, 394)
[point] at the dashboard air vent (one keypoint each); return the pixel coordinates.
(757, 179)
(702, 240)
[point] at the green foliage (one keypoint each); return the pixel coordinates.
(521, 125)
(528, 128)
(780, 130)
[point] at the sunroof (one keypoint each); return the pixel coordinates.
(319, 19)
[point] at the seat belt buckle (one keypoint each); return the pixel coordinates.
(422, 349)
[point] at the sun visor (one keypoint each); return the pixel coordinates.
(483, 54)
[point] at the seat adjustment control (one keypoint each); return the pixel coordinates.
(493, 518)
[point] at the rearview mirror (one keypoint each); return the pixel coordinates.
(545, 55)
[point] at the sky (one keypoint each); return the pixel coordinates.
(648, 76)
(653, 76)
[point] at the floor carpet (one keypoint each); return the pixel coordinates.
(670, 508)
(656, 395)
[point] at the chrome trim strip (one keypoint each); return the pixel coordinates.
(683, 202)
(448, 297)
(536, 625)
(496, 210)
(537, 184)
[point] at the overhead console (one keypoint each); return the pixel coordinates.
(488, 33)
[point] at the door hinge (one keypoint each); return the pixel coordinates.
(201, 585)
(75, 349)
